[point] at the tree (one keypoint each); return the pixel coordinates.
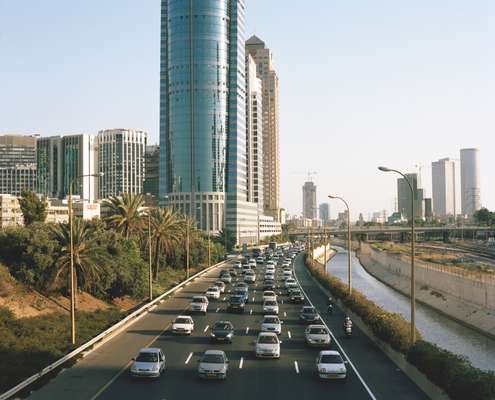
(484, 217)
(33, 208)
(126, 214)
(227, 239)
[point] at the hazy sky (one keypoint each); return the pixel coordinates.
(363, 83)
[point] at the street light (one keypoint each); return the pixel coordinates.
(413, 244)
(72, 273)
(349, 274)
(149, 256)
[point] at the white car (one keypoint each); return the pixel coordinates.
(269, 276)
(214, 365)
(290, 282)
(270, 263)
(252, 263)
(317, 335)
(267, 345)
(270, 268)
(287, 273)
(199, 304)
(269, 295)
(330, 365)
(286, 265)
(213, 292)
(271, 323)
(260, 260)
(250, 277)
(183, 324)
(149, 363)
(237, 265)
(226, 277)
(270, 306)
(220, 285)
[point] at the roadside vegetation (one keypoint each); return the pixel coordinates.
(454, 374)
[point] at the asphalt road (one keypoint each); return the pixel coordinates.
(104, 373)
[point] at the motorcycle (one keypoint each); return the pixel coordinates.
(348, 330)
(330, 309)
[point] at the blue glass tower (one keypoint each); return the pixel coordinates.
(202, 109)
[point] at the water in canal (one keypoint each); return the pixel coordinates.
(434, 327)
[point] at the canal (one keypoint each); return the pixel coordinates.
(434, 327)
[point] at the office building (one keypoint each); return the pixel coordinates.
(10, 211)
(120, 161)
(17, 164)
(445, 187)
(309, 200)
(470, 181)
(428, 209)
(404, 196)
(324, 212)
(151, 169)
(262, 56)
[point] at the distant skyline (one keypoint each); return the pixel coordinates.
(362, 84)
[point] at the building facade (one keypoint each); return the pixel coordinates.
(445, 188)
(404, 196)
(151, 170)
(262, 56)
(17, 164)
(10, 211)
(470, 181)
(120, 161)
(309, 201)
(324, 213)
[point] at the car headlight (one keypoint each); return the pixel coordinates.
(323, 370)
(133, 368)
(155, 368)
(212, 334)
(229, 335)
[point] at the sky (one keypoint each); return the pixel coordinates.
(362, 83)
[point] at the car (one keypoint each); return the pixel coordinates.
(270, 306)
(237, 265)
(290, 283)
(270, 262)
(236, 303)
(330, 365)
(220, 285)
(199, 304)
(250, 277)
(269, 276)
(252, 263)
(241, 285)
(317, 335)
(287, 274)
(269, 295)
(269, 285)
(226, 277)
(286, 264)
(267, 345)
(309, 314)
(271, 323)
(296, 296)
(214, 364)
(149, 363)
(222, 331)
(213, 292)
(233, 272)
(260, 260)
(270, 269)
(243, 292)
(183, 324)
(245, 270)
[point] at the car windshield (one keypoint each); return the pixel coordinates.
(331, 359)
(270, 303)
(265, 339)
(235, 299)
(308, 310)
(182, 320)
(271, 320)
(222, 326)
(147, 357)
(296, 292)
(269, 294)
(213, 359)
(213, 289)
(318, 331)
(198, 300)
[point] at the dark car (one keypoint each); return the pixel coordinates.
(296, 296)
(309, 315)
(222, 331)
(268, 285)
(236, 303)
(233, 272)
(243, 292)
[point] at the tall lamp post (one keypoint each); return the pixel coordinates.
(73, 283)
(413, 244)
(149, 256)
(349, 249)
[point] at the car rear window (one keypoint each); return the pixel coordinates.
(331, 359)
(267, 340)
(147, 357)
(318, 331)
(213, 359)
(271, 320)
(182, 320)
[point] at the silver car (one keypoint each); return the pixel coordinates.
(149, 363)
(317, 335)
(213, 365)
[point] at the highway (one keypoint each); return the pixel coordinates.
(104, 373)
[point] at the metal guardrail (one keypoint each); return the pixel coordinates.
(107, 334)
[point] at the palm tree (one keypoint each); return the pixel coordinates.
(165, 234)
(126, 214)
(86, 253)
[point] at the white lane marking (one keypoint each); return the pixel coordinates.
(296, 366)
(372, 396)
(228, 291)
(282, 301)
(247, 330)
(189, 358)
(251, 312)
(206, 328)
(285, 314)
(224, 298)
(254, 291)
(218, 309)
(253, 298)
(241, 362)
(288, 334)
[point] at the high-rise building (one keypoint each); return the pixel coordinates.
(470, 181)
(309, 200)
(262, 56)
(324, 212)
(445, 187)
(61, 160)
(151, 169)
(17, 164)
(120, 160)
(428, 209)
(404, 196)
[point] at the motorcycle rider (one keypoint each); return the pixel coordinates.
(347, 323)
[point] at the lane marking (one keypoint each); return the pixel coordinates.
(224, 298)
(285, 314)
(253, 298)
(206, 328)
(251, 311)
(188, 358)
(372, 396)
(296, 366)
(288, 334)
(282, 301)
(247, 330)
(241, 362)
(218, 309)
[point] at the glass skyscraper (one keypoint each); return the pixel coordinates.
(202, 111)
